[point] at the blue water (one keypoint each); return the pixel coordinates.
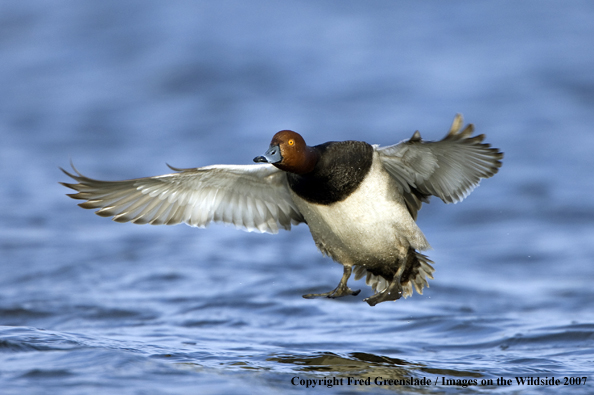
(91, 306)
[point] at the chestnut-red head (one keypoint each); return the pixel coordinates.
(289, 152)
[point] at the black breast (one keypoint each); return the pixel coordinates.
(339, 172)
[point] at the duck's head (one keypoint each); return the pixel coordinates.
(289, 152)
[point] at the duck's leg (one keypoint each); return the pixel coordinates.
(393, 292)
(341, 290)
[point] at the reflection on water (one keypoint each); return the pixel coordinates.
(354, 364)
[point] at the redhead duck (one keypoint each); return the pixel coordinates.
(360, 201)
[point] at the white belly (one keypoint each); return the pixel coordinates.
(371, 226)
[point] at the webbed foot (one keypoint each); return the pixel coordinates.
(335, 293)
(393, 292)
(341, 290)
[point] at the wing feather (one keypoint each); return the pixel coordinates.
(449, 169)
(253, 197)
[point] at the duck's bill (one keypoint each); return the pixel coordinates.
(272, 155)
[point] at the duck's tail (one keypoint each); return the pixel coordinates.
(418, 268)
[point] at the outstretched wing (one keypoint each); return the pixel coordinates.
(253, 197)
(449, 169)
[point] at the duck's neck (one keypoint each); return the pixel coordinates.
(303, 163)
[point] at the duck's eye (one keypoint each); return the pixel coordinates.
(291, 142)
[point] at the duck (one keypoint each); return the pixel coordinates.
(360, 201)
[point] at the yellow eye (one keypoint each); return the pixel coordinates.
(291, 142)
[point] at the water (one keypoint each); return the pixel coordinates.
(91, 306)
